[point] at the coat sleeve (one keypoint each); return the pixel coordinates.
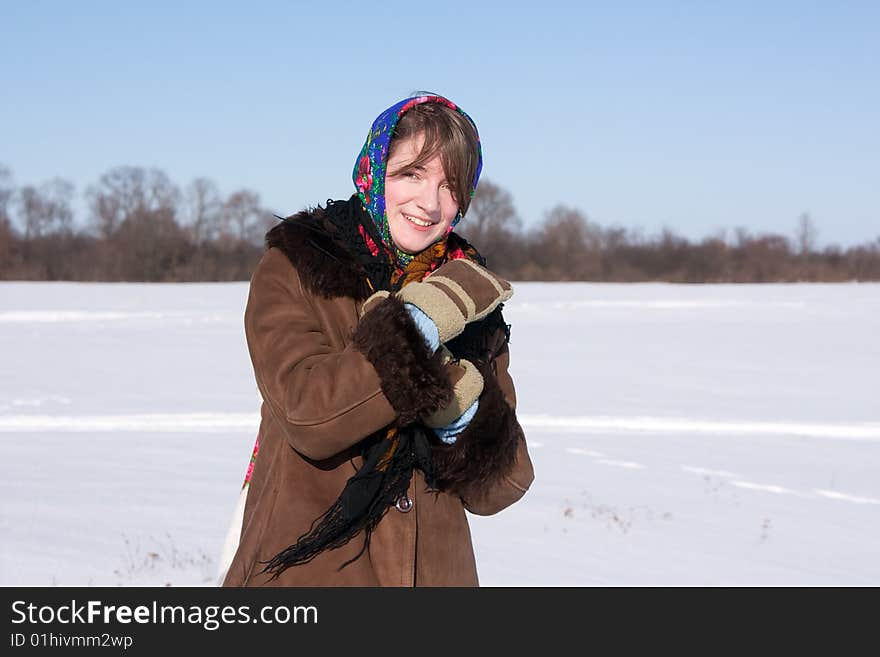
(327, 399)
(489, 464)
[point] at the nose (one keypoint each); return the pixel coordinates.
(429, 199)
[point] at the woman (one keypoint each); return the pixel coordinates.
(381, 354)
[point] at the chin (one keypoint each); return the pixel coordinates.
(413, 247)
(414, 243)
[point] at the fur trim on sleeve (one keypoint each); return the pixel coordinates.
(485, 452)
(412, 378)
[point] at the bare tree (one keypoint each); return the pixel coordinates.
(7, 191)
(491, 212)
(7, 234)
(243, 218)
(30, 211)
(46, 210)
(493, 227)
(566, 246)
(58, 194)
(134, 210)
(806, 234)
(152, 245)
(127, 192)
(203, 210)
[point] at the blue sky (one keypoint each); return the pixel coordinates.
(693, 115)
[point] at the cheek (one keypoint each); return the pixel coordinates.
(394, 193)
(450, 209)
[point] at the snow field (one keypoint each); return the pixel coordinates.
(680, 434)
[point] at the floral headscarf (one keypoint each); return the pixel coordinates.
(369, 168)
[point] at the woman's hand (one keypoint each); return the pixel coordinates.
(451, 431)
(456, 293)
(467, 386)
(426, 326)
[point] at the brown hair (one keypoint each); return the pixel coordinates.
(451, 134)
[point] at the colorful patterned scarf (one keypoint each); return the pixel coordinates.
(371, 163)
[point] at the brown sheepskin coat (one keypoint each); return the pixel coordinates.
(330, 377)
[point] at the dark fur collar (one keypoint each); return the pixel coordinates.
(324, 265)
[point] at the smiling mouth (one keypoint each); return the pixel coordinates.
(421, 223)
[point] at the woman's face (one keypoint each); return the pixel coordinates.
(418, 200)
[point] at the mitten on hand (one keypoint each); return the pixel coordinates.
(374, 300)
(425, 324)
(451, 431)
(456, 293)
(467, 386)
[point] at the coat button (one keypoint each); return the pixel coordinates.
(404, 504)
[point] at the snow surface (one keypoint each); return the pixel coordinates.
(681, 435)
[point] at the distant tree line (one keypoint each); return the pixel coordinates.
(143, 227)
(567, 246)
